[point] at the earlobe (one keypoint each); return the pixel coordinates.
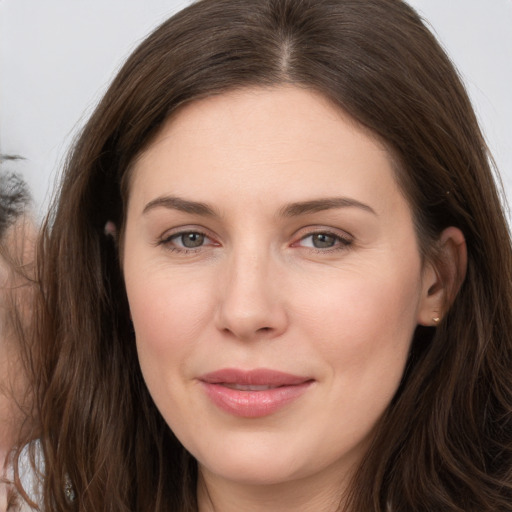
(443, 276)
(110, 229)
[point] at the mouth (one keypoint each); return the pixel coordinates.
(253, 393)
(242, 387)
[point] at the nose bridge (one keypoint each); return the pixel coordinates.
(250, 304)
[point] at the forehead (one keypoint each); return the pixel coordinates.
(276, 109)
(283, 131)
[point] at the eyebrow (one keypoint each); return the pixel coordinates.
(291, 210)
(319, 205)
(182, 205)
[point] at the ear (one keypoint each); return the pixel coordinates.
(442, 276)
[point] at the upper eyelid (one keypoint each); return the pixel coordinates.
(170, 232)
(340, 241)
(344, 238)
(328, 233)
(166, 242)
(315, 229)
(181, 233)
(165, 239)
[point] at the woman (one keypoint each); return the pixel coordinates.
(278, 275)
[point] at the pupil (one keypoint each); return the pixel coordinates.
(192, 240)
(322, 241)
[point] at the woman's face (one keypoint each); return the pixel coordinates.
(274, 282)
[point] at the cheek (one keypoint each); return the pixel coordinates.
(362, 301)
(362, 330)
(364, 325)
(169, 316)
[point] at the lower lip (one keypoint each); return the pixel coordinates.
(253, 404)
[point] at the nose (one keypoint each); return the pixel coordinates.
(251, 302)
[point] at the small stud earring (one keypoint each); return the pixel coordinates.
(436, 319)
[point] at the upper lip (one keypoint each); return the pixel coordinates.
(256, 377)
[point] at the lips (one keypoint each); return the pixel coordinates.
(254, 393)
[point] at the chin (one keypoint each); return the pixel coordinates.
(266, 463)
(255, 473)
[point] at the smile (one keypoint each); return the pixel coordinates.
(242, 387)
(255, 393)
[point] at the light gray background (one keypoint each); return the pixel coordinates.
(57, 57)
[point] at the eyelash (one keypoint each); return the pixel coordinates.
(168, 244)
(340, 242)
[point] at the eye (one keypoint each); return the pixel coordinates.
(190, 240)
(186, 241)
(324, 240)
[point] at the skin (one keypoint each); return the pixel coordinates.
(15, 292)
(258, 292)
(18, 242)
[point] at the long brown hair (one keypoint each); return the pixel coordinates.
(445, 442)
